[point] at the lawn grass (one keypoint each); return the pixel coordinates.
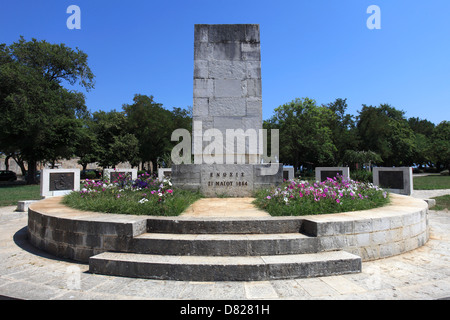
(442, 203)
(11, 194)
(432, 182)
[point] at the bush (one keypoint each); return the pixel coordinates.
(362, 176)
(90, 175)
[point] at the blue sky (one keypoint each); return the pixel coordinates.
(319, 49)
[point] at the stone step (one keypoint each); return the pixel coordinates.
(225, 225)
(209, 268)
(224, 244)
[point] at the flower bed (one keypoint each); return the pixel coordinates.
(296, 197)
(143, 196)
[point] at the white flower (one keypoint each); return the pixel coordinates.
(143, 200)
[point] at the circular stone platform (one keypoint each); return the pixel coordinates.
(228, 239)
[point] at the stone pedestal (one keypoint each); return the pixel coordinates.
(58, 182)
(396, 180)
(231, 180)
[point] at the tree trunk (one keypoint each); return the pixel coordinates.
(20, 163)
(31, 177)
(7, 162)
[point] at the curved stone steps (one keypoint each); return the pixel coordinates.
(212, 268)
(224, 244)
(259, 225)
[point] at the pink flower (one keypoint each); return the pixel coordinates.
(338, 201)
(170, 191)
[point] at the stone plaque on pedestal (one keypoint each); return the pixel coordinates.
(114, 174)
(62, 181)
(57, 182)
(396, 179)
(322, 173)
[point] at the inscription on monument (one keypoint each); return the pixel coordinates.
(391, 179)
(62, 181)
(232, 180)
(329, 174)
(227, 179)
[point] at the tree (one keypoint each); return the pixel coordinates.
(364, 158)
(441, 145)
(343, 129)
(423, 131)
(115, 144)
(305, 137)
(385, 131)
(87, 145)
(40, 118)
(153, 126)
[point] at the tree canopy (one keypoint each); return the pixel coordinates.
(312, 135)
(41, 118)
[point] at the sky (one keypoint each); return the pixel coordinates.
(321, 49)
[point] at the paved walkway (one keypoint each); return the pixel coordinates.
(27, 273)
(427, 194)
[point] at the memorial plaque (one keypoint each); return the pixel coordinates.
(286, 175)
(329, 174)
(62, 181)
(322, 173)
(391, 179)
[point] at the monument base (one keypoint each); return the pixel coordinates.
(228, 180)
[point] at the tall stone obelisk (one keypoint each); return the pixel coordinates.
(227, 114)
(227, 82)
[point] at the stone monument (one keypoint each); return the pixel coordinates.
(396, 179)
(322, 173)
(58, 182)
(227, 140)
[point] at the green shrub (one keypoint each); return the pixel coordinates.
(362, 176)
(90, 175)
